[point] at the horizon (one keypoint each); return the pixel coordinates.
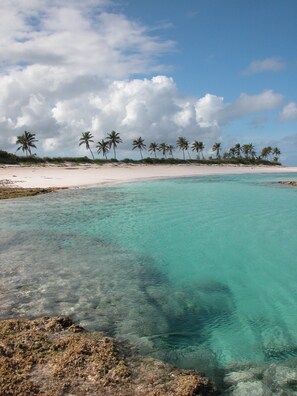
(211, 72)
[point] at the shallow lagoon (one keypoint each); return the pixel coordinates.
(201, 272)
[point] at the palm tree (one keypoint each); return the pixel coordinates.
(217, 148)
(198, 147)
(26, 141)
(153, 148)
(114, 139)
(252, 151)
(238, 149)
(170, 149)
(201, 148)
(139, 144)
(183, 145)
(103, 147)
(266, 151)
(86, 139)
(276, 152)
(232, 151)
(246, 149)
(163, 148)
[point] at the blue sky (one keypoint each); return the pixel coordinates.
(217, 40)
(209, 70)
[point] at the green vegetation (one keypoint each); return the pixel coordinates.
(153, 148)
(87, 139)
(183, 144)
(139, 144)
(103, 147)
(238, 154)
(113, 139)
(217, 148)
(26, 142)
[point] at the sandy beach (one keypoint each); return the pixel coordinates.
(92, 175)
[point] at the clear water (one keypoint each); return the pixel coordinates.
(201, 272)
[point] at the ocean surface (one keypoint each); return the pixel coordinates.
(200, 271)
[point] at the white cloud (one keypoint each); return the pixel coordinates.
(50, 144)
(75, 40)
(70, 68)
(268, 64)
(289, 112)
(250, 104)
(152, 108)
(208, 108)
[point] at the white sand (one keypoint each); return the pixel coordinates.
(84, 176)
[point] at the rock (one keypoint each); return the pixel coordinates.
(238, 376)
(289, 183)
(280, 377)
(250, 388)
(53, 356)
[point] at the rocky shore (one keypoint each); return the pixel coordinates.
(8, 190)
(53, 356)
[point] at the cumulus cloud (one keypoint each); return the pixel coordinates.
(68, 67)
(152, 108)
(249, 104)
(264, 65)
(289, 112)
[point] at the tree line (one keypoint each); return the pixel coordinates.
(246, 151)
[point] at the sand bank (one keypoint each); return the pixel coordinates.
(85, 176)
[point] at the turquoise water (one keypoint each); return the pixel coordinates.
(201, 272)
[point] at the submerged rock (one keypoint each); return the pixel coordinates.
(239, 376)
(53, 356)
(250, 388)
(280, 377)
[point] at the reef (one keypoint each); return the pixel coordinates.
(289, 183)
(8, 190)
(53, 356)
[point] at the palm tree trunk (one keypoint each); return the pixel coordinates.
(92, 153)
(114, 152)
(141, 154)
(184, 155)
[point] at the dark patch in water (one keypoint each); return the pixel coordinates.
(189, 312)
(278, 354)
(149, 275)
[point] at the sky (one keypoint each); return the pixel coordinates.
(209, 70)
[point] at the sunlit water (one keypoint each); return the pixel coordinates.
(201, 272)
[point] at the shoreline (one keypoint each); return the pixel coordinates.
(85, 176)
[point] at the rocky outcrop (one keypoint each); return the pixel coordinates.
(289, 183)
(8, 190)
(53, 356)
